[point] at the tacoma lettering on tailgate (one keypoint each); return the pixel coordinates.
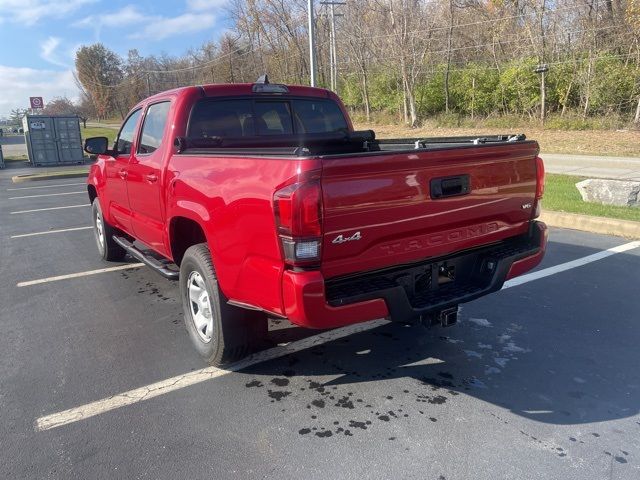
(439, 238)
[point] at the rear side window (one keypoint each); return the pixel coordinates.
(225, 118)
(248, 117)
(273, 118)
(128, 130)
(153, 127)
(312, 116)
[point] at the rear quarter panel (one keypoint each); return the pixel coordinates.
(232, 198)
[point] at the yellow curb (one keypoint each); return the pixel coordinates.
(50, 176)
(586, 223)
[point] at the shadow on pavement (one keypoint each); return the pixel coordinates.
(562, 350)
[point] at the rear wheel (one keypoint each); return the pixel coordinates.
(109, 250)
(220, 332)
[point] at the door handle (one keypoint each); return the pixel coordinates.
(152, 178)
(122, 174)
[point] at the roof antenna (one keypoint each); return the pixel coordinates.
(263, 79)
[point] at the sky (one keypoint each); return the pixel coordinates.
(39, 38)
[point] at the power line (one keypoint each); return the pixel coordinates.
(559, 62)
(477, 46)
(480, 22)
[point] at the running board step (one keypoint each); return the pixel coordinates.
(148, 260)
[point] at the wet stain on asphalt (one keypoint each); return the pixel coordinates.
(280, 382)
(277, 395)
(345, 402)
(357, 424)
(153, 290)
(438, 400)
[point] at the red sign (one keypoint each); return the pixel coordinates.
(36, 102)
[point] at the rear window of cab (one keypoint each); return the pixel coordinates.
(257, 117)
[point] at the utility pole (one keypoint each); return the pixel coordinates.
(333, 56)
(636, 119)
(312, 46)
(148, 86)
(542, 70)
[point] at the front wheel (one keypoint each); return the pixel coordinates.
(109, 250)
(220, 332)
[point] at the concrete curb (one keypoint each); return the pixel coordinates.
(37, 177)
(586, 223)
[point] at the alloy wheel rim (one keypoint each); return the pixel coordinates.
(200, 306)
(100, 229)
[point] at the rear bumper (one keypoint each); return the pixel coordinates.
(408, 292)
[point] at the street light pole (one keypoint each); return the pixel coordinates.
(312, 46)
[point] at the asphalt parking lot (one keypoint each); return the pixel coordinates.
(98, 378)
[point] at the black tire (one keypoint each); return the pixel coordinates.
(108, 249)
(233, 331)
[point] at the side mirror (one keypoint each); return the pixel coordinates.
(96, 145)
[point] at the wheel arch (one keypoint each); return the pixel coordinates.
(93, 192)
(184, 232)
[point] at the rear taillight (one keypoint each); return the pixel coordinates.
(539, 178)
(298, 211)
(539, 186)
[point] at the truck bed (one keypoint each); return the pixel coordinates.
(384, 190)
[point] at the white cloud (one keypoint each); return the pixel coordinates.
(49, 52)
(30, 12)
(18, 84)
(155, 27)
(127, 15)
(161, 27)
(204, 5)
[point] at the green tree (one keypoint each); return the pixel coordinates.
(99, 72)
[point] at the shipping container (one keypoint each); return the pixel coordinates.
(53, 139)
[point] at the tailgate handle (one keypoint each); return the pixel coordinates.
(449, 186)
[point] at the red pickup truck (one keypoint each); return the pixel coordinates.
(261, 199)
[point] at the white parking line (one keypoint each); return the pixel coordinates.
(529, 277)
(46, 186)
(80, 274)
(162, 387)
(197, 376)
(48, 195)
(47, 232)
(49, 208)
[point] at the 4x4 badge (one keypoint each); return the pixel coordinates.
(342, 239)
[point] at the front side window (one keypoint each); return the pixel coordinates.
(153, 127)
(127, 132)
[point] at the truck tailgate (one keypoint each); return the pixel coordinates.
(390, 208)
